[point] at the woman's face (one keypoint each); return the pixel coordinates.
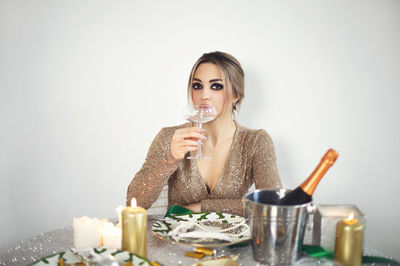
(209, 88)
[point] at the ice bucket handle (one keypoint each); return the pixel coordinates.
(311, 208)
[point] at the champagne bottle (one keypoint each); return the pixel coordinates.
(304, 192)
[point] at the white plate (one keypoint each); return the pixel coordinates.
(70, 258)
(162, 227)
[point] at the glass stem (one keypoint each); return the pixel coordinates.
(199, 154)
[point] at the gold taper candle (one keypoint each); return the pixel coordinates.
(349, 241)
(134, 229)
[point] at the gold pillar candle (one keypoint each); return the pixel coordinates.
(134, 229)
(349, 241)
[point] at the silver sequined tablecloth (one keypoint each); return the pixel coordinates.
(166, 253)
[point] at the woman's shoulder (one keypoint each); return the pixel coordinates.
(256, 134)
(257, 140)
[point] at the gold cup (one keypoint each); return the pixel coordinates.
(134, 230)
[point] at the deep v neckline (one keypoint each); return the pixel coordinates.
(209, 192)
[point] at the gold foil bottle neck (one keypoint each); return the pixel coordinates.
(312, 181)
(330, 156)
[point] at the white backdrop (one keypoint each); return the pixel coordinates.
(86, 85)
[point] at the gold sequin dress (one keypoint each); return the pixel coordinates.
(251, 159)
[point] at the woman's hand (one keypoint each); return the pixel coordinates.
(184, 140)
(194, 207)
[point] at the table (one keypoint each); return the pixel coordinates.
(164, 252)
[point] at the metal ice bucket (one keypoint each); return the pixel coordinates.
(277, 231)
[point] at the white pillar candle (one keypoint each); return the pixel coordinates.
(88, 232)
(119, 210)
(112, 236)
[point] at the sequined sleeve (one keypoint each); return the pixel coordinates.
(264, 168)
(157, 168)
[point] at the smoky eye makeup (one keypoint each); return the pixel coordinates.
(217, 86)
(197, 86)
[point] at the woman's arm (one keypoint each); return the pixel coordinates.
(159, 165)
(264, 168)
(166, 152)
(234, 206)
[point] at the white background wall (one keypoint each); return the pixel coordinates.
(86, 85)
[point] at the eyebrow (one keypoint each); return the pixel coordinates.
(211, 80)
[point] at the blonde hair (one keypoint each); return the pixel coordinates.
(231, 72)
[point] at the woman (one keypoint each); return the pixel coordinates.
(240, 156)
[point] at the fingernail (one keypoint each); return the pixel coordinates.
(204, 137)
(203, 130)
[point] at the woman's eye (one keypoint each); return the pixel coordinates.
(197, 86)
(217, 86)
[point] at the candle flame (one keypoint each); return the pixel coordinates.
(351, 216)
(133, 203)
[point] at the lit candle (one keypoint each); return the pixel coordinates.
(134, 229)
(87, 232)
(111, 236)
(349, 241)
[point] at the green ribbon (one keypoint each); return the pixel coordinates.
(319, 252)
(312, 251)
(176, 210)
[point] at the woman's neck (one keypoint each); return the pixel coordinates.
(220, 129)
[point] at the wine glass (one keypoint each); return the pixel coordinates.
(200, 114)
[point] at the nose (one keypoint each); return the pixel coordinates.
(205, 94)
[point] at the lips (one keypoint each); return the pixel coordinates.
(205, 106)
